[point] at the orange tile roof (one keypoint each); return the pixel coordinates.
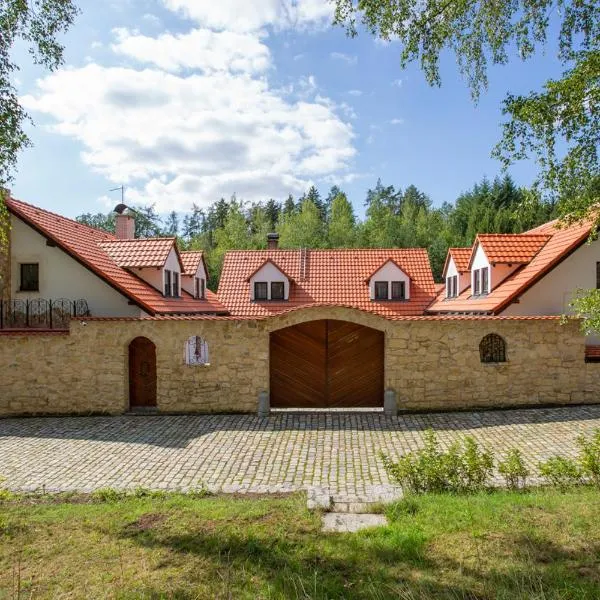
(330, 277)
(561, 242)
(139, 253)
(85, 244)
(191, 259)
(461, 258)
(517, 248)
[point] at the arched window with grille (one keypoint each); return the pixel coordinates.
(196, 351)
(492, 349)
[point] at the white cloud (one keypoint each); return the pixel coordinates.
(152, 19)
(251, 15)
(198, 49)
(347, 58)
(355, 92)
(175, 140)
(396, 121)
(397, 82)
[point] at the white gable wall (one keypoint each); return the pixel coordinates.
(269, 272)
(389, 272)
(61, 276)
(187, 281)
(464, 279)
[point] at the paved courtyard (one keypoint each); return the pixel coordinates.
(234, 453)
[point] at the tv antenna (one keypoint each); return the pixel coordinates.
(122, 188)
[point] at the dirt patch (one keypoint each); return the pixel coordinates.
(146, 522)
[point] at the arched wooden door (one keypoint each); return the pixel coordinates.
(142, 373)
(327, 364)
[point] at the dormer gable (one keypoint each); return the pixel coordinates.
(389, 282)
(195, 273)
(269, 283)
(456, 272)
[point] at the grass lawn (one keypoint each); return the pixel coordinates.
(542, 544)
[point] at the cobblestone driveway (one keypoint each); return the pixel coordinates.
(285, 452)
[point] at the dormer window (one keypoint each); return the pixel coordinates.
(481, 281)
(168, 282)
(452, 286)
(398, 290)
(277, 290)
(199, 287)
(175, 284)
(381, 290)
(261, 290)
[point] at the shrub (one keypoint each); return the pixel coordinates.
(561, 472)
(513, 469)
(462, 468)
(589, 457)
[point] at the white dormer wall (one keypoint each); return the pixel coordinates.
(497, 273)
(188, 281)
(155, 276)
(464, 279)
(389, 272)
(269, 272)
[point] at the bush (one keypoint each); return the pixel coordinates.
(513, 469)
(108, 495)
(561, 472)
(462, 468)
(589, 457)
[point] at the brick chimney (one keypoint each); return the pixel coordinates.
(272, 241)
(124, 223)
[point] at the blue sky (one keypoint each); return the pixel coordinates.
(187, 101)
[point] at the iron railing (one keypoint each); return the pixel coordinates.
(40, 313)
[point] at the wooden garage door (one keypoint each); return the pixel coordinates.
(327, 364)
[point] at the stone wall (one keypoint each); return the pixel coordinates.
(433, 364)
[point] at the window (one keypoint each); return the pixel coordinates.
(485, 280)
(260, 290)
(196, 351)
(398, 290)
(492, 349)
(175, 283)
(381, 290)
(476, 282)
(202, 288)
(598, 275)
(452, 286)
(30, 277)
(197, 287)
(277, 290)
(167, 282)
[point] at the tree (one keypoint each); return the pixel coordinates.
(565, 112)
(273, 209)
(193, 223)
(37, 24)
(342, 223)
(303, 229)
(172, 224)
(147, 222)
(98, 221)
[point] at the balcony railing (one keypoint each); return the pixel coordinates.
(40, 313)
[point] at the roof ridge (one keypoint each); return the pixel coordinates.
(11, 199)
(152, 239)
(256, 250)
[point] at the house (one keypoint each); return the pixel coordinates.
(301, 328)
(56, 260)
(533, 273)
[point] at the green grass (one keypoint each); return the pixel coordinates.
(537, 545)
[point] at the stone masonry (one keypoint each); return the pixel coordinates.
(431, 363)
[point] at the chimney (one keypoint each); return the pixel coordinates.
(124, 223)
(272, 241)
